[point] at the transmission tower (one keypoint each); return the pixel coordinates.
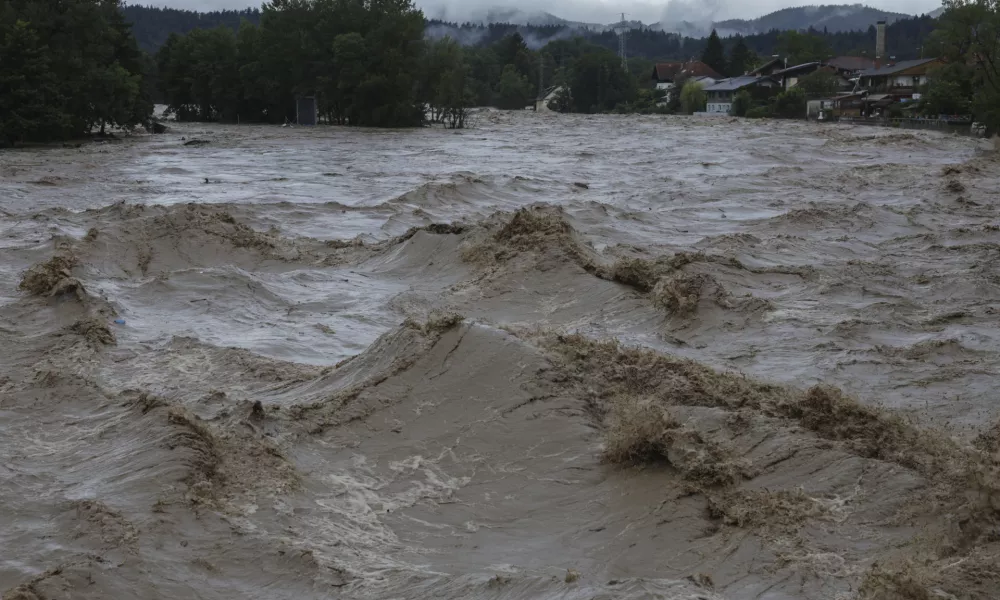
(622, 31)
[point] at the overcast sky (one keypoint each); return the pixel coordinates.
(605, 11)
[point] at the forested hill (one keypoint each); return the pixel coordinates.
(834, 18)
(151, 26)
(905, 38)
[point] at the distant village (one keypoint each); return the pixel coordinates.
(877, 89)
(863, 88)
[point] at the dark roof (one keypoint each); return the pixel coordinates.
(812, 66)
(851, 63)
(767, 65)
(734, 83)
(670, 71)
(902, 65)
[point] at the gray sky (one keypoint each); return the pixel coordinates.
(605, 11)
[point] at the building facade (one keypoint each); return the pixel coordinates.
(721, 94)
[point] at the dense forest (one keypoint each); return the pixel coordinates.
(152, 26)
(67, 68)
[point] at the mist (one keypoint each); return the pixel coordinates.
(598, 11)
(700, 12)
(692, 17)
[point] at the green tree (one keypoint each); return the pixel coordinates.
(801, 48)
(361, 60)
(447, 84)
(79, 63)
(968, 33)
(791, 104)
(742, 102)
(821, 82)
(513, 91)
(599, 83)
(693, 97)
(30, 101)
(714, 54)
(950, 90)
(741, 58)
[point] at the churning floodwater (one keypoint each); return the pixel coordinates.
(264, 362)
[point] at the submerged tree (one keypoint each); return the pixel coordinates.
(67, 67)
(514, 91)
(361, 60)
(599, 83)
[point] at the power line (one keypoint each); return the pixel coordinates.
(622, 31)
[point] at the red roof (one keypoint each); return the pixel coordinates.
(670, 71)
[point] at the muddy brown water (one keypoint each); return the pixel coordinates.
(248, 378)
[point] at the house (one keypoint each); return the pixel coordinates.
(768, 68)
(666, 74)
(850, 65)
(849, 104)
(902, 79)
(720, 95)
(790, 77)
(548, 95)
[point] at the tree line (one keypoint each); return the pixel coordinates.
(67, 68)
(152, 27)
(368, 62)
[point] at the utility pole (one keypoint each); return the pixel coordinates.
(541, 73)
(622, 31)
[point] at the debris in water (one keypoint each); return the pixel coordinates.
(955, 186)
(572, 575)
(197, 143)
(95, 331)
(52, 277)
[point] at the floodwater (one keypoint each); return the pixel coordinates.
(338, 363)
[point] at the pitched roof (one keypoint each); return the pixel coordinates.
(898, 67)
(851, 63)
(669, 71)
(797, 68)
(734, 83)
(767, 65)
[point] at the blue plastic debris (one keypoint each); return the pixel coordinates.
(119, 321)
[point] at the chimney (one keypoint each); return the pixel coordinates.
(879, 44)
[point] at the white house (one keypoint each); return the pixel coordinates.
(542, 103)
(720, 95)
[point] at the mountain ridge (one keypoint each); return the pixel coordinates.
(833, 17)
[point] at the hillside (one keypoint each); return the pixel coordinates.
(152, 26)
(832, 18)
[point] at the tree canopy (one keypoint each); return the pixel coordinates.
(741, 59)
(66, 68)
(714, 54)
(969, 36)
(800, 48)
